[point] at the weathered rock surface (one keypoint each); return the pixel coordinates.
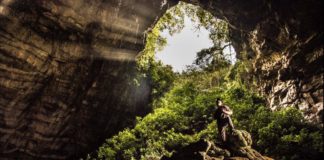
(240, 145)
(284, 39)
(66, 71)
(239, 148)
(66, 65)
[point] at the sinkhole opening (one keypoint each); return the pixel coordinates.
(188, 37)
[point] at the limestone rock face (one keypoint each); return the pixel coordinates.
(66, 73)
(66, 65)
(284, 41)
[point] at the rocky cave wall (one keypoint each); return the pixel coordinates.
(284, 41)
(66, 71)
(66, 66)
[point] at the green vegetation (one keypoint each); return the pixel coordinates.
(184, 103)
(184, 115)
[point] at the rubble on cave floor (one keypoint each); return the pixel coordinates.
(239, 148)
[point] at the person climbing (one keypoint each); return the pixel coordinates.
(222, 116)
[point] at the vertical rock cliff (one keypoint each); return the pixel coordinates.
(66, 71)
(66, 65)
(284, 40)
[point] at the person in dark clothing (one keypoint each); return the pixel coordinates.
(222, 115)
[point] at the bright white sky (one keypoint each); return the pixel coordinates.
(182, 47)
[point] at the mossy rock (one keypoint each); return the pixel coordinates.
(239, 138)
(240, 142)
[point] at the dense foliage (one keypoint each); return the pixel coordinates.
(184, 103)
(184, 115)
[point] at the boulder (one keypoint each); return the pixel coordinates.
(240, 142)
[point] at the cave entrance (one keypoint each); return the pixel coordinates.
(188, 37)
(189, 43)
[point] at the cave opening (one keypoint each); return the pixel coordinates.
(189, 37)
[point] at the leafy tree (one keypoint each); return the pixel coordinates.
(212, 59)
(289, 136)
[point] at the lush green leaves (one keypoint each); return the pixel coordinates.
(184, 115)
(287, 136)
